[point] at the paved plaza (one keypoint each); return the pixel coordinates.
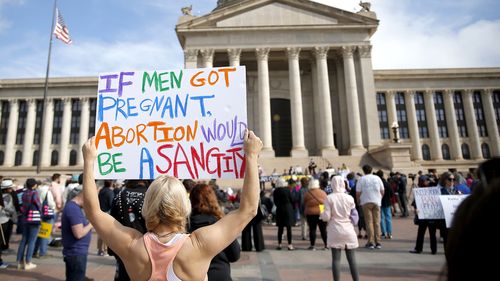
(392, 262)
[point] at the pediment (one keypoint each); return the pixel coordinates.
(276, 14)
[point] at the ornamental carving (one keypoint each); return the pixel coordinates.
(365, 51)
(234, 54)
(293, 53)
(321, 52)
(347, 51)
(262, 53)
(191, 54)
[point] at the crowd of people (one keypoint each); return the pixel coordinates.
(344, 206)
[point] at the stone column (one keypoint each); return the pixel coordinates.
(234, 56)
(354, 117)
(29, 134)
(84, 127)
(327, 145)
(344, 135)
(413, 125)
(191, 58)
(298, 148)
(10, 152)
(264, 102)
(46, 132)
(470, 119)
(430, 113)
(392, 116)
(491, 122)
(368, 103)
(65, 133)
(451, 123)
(207, 57)
(318, 122)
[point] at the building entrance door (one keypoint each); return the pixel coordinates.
(281, 127)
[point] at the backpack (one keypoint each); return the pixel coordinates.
(47, 212)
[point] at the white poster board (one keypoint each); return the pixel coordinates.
(187, 123)
(450, 204)
(428, 203)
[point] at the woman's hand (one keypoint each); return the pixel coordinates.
(253, 144)
(89, 150)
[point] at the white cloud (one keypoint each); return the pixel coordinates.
(4, 22)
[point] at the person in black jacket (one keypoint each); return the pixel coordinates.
(255, 227)
(106, 196)
(126, 208)
(206, 211)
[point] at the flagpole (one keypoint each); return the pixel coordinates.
(44, 115)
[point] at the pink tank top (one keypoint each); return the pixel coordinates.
(163, 255)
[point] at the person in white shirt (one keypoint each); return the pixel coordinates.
(369, 192)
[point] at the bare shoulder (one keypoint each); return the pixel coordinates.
(189, 263)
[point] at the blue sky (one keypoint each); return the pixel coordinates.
(110, 35)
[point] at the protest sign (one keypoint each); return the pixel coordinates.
(186, 123)
(428, 203)
(450, 204)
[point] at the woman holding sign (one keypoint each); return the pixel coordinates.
(165, 252)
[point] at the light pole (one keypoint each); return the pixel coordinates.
(395, 132)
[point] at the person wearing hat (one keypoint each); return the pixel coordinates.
(284, 212)
(76, 235)
(11, 207)
(30, 210)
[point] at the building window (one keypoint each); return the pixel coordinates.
(1, 157)
(459, 113)
(21, 122)
(423, 130)
(382, 116)
(440, 115)
(38, 121)
(72, 158)
(496, 107)
(426, 152)
(446, 152)
(35, 158)
(485, 149)
(76, 110)
(401, 115)
(58, 119)
(54, 158)
(465, 151)
(92, 104)
(18, 160)
(478, 111)
(4, 122)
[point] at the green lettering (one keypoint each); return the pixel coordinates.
(150, 80)
(163, 81)
(178, 80)
(104, 163)
(116, 163)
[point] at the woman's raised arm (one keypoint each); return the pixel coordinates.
(117, 237)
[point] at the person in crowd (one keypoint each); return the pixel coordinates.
(460, 185)
(254, 228)
(423, 225)
(11, 210)
(42, 244)
(341, 234)
(304, 188)
(473, 218)
(126, 208)
(385, 208)
(30, 209)
(105, 196)
(76, 234)
(351, 181)
(446, 184)
(165, 251)
(402, 196)
(284, 212)
(369, 192)
(313, 199)
(206, 211)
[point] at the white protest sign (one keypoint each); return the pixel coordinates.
(187, 123)
(450, 204)
(428, 203)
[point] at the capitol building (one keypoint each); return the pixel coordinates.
(311, 93)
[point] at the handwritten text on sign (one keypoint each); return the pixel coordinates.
(186, 123)
(428, 204)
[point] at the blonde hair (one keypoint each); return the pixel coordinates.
(166, 202)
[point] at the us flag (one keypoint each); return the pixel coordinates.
(61, 31)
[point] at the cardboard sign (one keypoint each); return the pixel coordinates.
(187, 123)
(450, 204)
(428, 203)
